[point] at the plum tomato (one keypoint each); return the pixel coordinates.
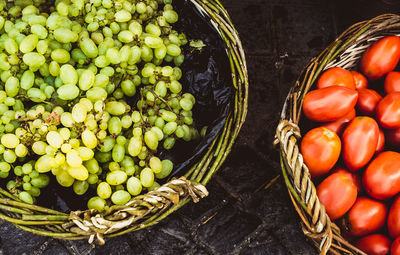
(381, 142)
(368, 99)
(375, 244)
(329, 104)
(339, 125)
(381, 179)
(366, 216)
(338, 194)
(336, 76)
(395, 248)
(352, 175)
(393, 137)
(359, 142)
(381, 57)
(359, 80)
(392, 82)
(388, 111)
(320, 148)
(393, 220)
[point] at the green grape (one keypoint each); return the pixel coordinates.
(104, 190)
(118, 153)
(116, 177)
(88, 47)
(29, 43)
(54, 139)
(107, 144)
(115, 108)
(169, 143)
(68, 92)
(93, 178)
(114, 126)
(170, 128)
(169, 116)
(96, 94)
(170, 16)
(27, 186)
(97, 203)
(167, 167)
(146, 177)
(41, 181)
(120, 197)
(92, 166)
(134, 186)
(10, 141)
(60, 56)
(11, 185)
(35, 192)
(65, 35)
(179, 60)
(128, 87)
(78, 172)
(5, 167)
(37, 95)
(27, 169)
(26, 197)
(9, 156)
(135, 146)
(80, 187)
(114, 166)
(103, 157)
(126, 121)
(155, 164)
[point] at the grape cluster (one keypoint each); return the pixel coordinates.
(67, 77)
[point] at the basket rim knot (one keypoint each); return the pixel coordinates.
(285, 129)
(96, 224)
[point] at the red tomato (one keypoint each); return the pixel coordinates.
(336, 76)
(395, 249)
(353, 176)
(338, 194)
(359, 80)
(321, 150)
(339, 125)
(381, 57)
(368, 99)
(393, 137)
(381, 142)
(392, 82)
(366, 216)
(359, 139)
(388, 111)
(381, 179)
(375, 244)
(329, 104)
(393, 221)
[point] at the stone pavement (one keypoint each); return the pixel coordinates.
(243, 214)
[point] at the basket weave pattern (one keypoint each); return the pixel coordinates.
(344, 52)
(150, 208)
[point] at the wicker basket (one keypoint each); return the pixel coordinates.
(150, 208)
(344, 52)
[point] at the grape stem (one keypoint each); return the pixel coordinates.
(162, 99)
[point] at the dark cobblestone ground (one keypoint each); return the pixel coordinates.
(240, 216)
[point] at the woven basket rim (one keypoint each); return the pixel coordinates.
(148, 209)
(343, 52)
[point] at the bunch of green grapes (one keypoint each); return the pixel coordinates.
(68, 79)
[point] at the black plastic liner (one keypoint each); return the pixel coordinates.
(206, 75)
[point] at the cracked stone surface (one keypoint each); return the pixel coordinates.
(240, 216)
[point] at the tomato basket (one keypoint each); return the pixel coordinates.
(345, 52)
(148, 209)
